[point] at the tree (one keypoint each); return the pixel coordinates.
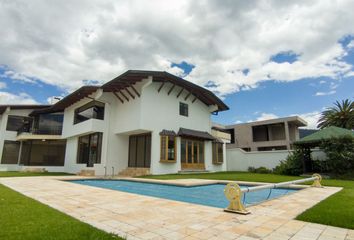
(340, 115)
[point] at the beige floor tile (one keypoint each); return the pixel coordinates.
(141, 217)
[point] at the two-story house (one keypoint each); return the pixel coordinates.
(141, 120)
(266, 135)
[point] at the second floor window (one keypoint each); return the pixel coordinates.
(183, 109)
(18, 123)
(50, 123)
(91, 110)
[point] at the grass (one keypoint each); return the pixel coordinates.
(337, 210)
(31, 174)
(24, 218)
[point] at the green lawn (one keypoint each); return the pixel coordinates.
(29, 174)
(24, 218)
(337, 210)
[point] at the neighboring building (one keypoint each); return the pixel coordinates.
(142, 120)
(267, 135)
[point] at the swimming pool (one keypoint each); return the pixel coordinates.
(209, 195)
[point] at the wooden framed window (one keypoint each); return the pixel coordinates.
(183, 109)
(218, 152)
(168, 148)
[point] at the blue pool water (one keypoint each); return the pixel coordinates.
(209, 195)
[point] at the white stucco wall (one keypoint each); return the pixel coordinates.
(160, 110)
(239, 160)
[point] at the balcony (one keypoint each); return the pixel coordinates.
(48, 133)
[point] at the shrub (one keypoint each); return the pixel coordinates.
(340, 154)
(293, 164)
(259, 170)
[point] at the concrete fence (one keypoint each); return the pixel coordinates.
(239, 160)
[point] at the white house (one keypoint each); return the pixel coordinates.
(145, 121)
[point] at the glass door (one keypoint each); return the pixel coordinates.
(192, 154)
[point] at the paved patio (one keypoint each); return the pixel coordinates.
(142, 217)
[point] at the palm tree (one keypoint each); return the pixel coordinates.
(340, 115)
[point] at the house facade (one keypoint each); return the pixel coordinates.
(149, 121)
(266, 135)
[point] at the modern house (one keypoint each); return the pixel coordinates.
(139, 122)
(266, 135)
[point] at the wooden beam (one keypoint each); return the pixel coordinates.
(187, 96)
(125, 96)
(195, 98)
(127, 90)
(136, 92)
(179, 93)
(115, 94)
(173, 86)
(161, 87)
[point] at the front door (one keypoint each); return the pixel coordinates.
(192, 154)
(139, 151)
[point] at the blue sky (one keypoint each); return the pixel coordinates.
(280, 62)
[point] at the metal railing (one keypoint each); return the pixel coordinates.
(234, 193)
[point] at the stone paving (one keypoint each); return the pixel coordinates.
(141, 217)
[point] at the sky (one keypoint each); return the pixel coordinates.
(265, 59)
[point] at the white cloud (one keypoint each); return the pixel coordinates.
(325, 93)
(351, 44)
(266, 116)
(2, 85)
(311, 118)
(17, 76)
(54, 99)
(21, 98)
(97, 40)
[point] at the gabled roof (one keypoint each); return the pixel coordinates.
(131, 77)
(22, 106)
(326, 134)
(68, 100)
(128, 79)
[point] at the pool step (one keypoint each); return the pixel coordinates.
(134, 172)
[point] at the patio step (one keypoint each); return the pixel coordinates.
(134, 172)
(191, 171)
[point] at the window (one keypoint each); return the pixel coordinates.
(139, 151)
(218, 152)
(168, 149)
(43, 153)
(89, 149)
(183, 109)
(10, 152)
(91, 110)
(18, 123)
(51, 124)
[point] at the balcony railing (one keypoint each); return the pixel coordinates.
(42, 131)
